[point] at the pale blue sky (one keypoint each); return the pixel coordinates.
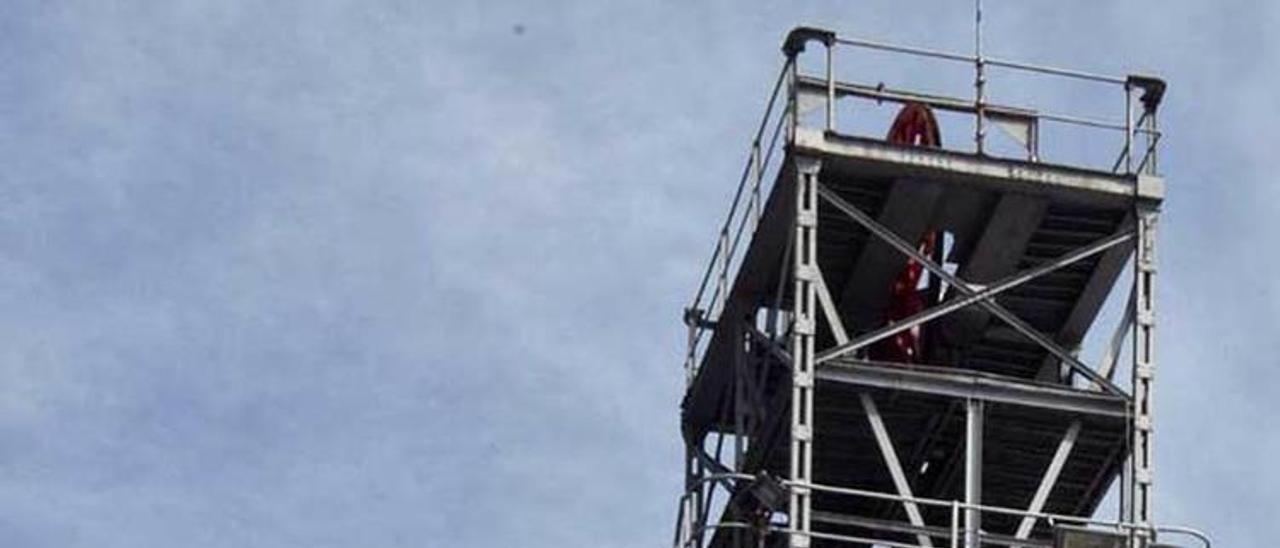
(393, 274)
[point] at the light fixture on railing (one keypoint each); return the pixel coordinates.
(697, 318)
(769, 492)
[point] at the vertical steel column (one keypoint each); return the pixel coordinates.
(740, 426)
(804, 306)
(1141, 466)
(973, 434)
(739, 397)
(691, 501)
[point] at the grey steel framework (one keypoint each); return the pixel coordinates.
(1004, 435)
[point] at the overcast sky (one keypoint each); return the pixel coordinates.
(410, 273)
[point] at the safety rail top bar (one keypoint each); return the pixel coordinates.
(862, 541)
(796, 38)
(956, 104)
(753, 160)
(955, 505)
(1070, 73)
(1153, 89)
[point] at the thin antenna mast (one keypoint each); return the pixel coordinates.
(977, 29)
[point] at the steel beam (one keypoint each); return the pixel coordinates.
(772, 318)
(740, 417)
(743, 411)
(1049, 480)
(881, 433)
(975, 411)
(804, 268)
(997, 247)
(829, 310)
(1141, 465)
(1107, 367)
(984, 171)
(894, 465)
(968, 290)
(844, 348)
(908, 210)
(1101, 284)
(965, 384)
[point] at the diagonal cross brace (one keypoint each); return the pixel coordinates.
(844, 346)
(829, 308)
(881, 433)
(982, 298)
(895, 466)
(1049, 480)
(1108, 366)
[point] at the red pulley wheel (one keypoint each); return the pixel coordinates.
(915, 125)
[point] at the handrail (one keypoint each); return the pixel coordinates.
(957, 508)
(1152, 90)
(698, 314)
(955, 104)
(737, 197)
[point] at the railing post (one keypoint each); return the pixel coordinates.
(1128, 128)
(831, 87)
(691, 321)
(722, 279)
(792, 100)
(757, 172)
(975, 409)
(1152, 142)
(955, 523)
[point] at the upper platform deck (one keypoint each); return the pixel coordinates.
(1002, 215)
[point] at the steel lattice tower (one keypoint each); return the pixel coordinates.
(994, 432)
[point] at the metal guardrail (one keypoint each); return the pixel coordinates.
(755, 175)
(1143, 126)
(795, 87)
(691, 523)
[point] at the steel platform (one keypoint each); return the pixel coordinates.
(1014, 216)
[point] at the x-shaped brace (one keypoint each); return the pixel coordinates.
(982, 296)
